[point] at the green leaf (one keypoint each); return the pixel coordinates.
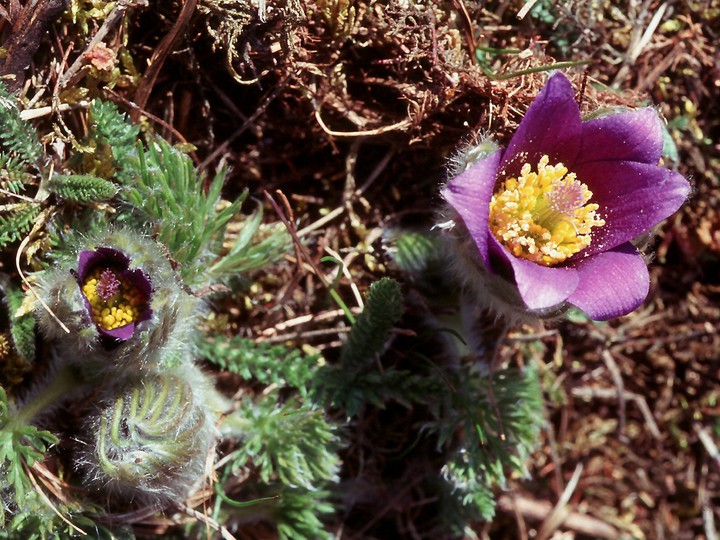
(355, 381)
(383, 308)
(499, 432)
(169, 192)
(265, 363)
(16, 220)
(82, 188)
(13, 173)
(290, 442)
(17, 136)
(413, 251)
(112, 130)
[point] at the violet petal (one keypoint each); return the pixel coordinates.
(633, 135)
(633, 197)
(540, 286)
(109, 257)
(123, 333)
(87, 260)
(141, 281)
(469, 193)
(551, 126)
(612, 283)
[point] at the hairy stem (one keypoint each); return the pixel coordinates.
(66, 380)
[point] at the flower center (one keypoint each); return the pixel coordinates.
(543, 216)
(114, 300)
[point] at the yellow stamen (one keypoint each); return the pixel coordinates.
(117, 310)
(543, 216)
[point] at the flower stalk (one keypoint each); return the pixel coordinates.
(64, 383)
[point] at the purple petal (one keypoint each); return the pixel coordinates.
(551, 126)
(540, 286)
(633, 198)
(469, 193)
(87, 260)
(626, 136)
(141, 280)
(138, 278)
(123, 333)
(109, 257)
(612, 283)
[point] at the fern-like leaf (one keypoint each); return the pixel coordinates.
(16, 135)
(22, 327)
(354, 381)
(16, 221)
(291, 443)
(297, 514)
(253, 247)
(498, 435)
(169, 191)
(82, 188)
(372, 328)
(413, 251)
(112, 130)
(267, 364)
(20, 447)
(13, 173)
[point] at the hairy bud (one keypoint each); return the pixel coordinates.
(122, 303)
(151, 438)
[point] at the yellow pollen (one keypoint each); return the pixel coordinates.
(544, 216)
(111, 311)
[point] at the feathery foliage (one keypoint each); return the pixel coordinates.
(370, 333)
(21, 158)
(497, 437)
(297, 512)
(82, 188)
(293, 449)
(267, 364)
(191, 222)
(290, 442)
(169, 192)
(354, 380)
(41, 523)
(22, 327)
(16, 221)
(414, 251)
(372, 387)
(253, 246)
(17, 137)
(13, 173)
(21, 446)
(115, 139)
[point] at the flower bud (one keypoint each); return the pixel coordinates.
(152, 436)
(122, 303)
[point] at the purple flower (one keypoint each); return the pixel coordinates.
(116, 296)
(555, 212)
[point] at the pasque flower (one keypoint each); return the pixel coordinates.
(116, 296)
(121, 302)
(551, 218)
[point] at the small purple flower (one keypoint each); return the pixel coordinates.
(117, 297)
(555, 212)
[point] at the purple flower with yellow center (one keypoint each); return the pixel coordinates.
(554, 213)
(116, 296)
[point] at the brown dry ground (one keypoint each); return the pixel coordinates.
(352, 108)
